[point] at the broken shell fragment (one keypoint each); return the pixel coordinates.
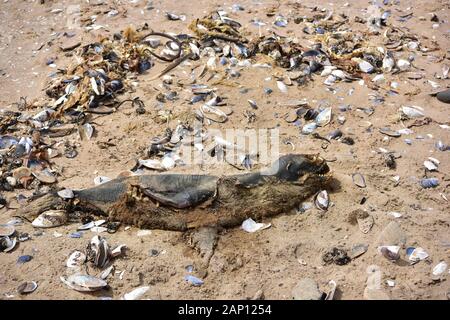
(390, 252)
(412, 112)
(365, 222)
(136, 294)
(251, 226)
(418, 254)
(66, 194)
(358, 180)
(322, 200)
(100, 180)
(84, 283)
(440, 268)
(358, 250)
(430, 166)
(282, 87)
(27, 287)
(76, 259)
(50, 219)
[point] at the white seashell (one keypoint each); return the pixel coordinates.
(100, 180)
(388, 63)
(403, 64)
(379, 78)
(136, 294)
(76, 259)
(365, 66)
(167, 162)
(94, 86)
(440, 268)
(339, 74)
(412, 112)
(395, 214)
(151, 164)
(66, 194)
(251, 226)
(50, 219)
(117, 251)
(309, 128)
(330, 80)
(282, 87)
(105, 273)
(322, 200)
(44, 115)
(323, 118)
(327, 70)
(27, 287)
(434, 160)
(430, 165)
(84, 283)
(98, 251)
(44, 176)
(86, 131)
(99, 229)
(418, 254)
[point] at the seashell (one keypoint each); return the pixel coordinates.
(444, 96)
(390, 132)
(331, 291)
(50, 219)
(136, 294)
(105, 273)
(321, 200)
(358, 250)
(412, 112)
(365, 66)
(440, 268)
(98, 251)
(117, 251)
(7, 244)
(388, 63)
(281, 86)
(280, 21)
(76, 259)
(152, 42)
(390, 252)
(251, 226)
(431, 166)
(44, 115)
(403, 64)
(252, 104)
(291, 116)
(84, 283)
(309, 128)
(196, 282)
(98, 229)
(429, 183)
(323, 118)
(379, 79)
(44, 176)
(418, 254)
(6, 230)
(24, 259)
(66, 194)
(100, 180)
(330, 80)
(151, 164)
(86, 131)
(27, 287)
(441, 146)
(335, 134)
(358, 180)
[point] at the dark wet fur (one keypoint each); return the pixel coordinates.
(182, 202)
